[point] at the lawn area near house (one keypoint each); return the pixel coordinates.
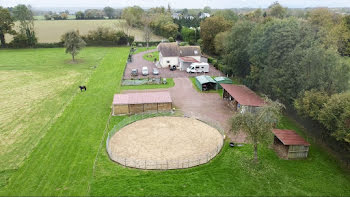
(36, 85)
(231, 173)
(170, 83)
(62, 162)
(151, 56)
(142, 49)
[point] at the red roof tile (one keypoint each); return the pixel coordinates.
(188, 59)
(142, 98)
(289, 137)
(243, 95)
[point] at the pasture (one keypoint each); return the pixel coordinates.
(49, 31)
(70, 159)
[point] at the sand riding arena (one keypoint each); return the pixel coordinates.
(164, 143)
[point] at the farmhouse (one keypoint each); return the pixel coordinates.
(290, 145)
(205, 83)
(134, 103)
(241, 98)
(172, 55)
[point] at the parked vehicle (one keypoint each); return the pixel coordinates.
(144, 71)
(198, 68)
(155, 71)
(134, 72)
(172, 68)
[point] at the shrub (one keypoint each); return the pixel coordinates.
(310, 103)
(171, 39)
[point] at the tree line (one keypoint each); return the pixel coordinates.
(295, 60)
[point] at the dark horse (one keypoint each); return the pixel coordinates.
(82, 88)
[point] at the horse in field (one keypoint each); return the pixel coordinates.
(82, 88)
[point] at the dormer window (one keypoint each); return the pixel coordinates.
(196, 52)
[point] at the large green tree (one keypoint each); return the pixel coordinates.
(210, 27)
(235, 53)
(24, 15)
(276, 10)
(73, 43)
(110, 12)
(133, 16)
(258, 126)
(6, 25)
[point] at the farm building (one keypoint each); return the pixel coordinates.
(205, 83)
(241, 98)
(134, 103)
(185, 62)
(222, 80)
(290, 145)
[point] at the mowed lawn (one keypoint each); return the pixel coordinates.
(231, 173)
(49, 31)
(35, 87)
(62, 162)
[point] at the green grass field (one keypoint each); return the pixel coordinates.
(70, 159)
(49, 31)
(151, 56)
(35, 87)
(62, 162)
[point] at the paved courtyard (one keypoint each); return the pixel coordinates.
(138, 62)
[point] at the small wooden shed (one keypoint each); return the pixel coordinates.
(222, 80)
(205, 83)
(134, 103)
(289, 145)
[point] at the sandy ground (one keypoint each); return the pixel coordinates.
(165, 139)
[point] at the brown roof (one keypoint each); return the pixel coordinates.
(169, 49)
(190, 51)
(142, 98)
(188, 59)
(243, 95)
(289, 137)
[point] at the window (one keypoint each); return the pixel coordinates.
(168, 62)
(196, 52)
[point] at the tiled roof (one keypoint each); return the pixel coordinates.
(243, 95)
(188, 59)
(169, 49)
(190, 51)
(142, 98)
(289, 137)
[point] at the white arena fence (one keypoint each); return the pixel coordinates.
(160, 164)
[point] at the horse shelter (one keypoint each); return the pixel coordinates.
(205, 83)
(289, 145)
(134, 103)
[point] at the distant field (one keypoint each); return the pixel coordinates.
(51, 31)
(35, 87)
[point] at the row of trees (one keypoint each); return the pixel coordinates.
(91, 14)
(26, 35)
(289, 59)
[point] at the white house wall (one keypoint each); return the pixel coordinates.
(164, 61)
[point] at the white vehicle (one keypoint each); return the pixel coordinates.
(198, 68)
(144, 71)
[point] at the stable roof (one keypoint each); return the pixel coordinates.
(188, 59)
(243, 95)
(142, 98)
(290, 137)
(205, 79)
(219, 79)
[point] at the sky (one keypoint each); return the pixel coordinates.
(177, 3)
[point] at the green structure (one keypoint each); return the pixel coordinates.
(222, 80)
(205, 83)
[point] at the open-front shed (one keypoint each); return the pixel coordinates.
(241, 98)
(134, 103)
(222, 80)
(289, 145)
(205, 83)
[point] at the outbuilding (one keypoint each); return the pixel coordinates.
(289, 145)
(185, 62)
(222, 80)
(241, 98)
(205, 83)
(134, 103)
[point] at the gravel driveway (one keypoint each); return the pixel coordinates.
(138, 62)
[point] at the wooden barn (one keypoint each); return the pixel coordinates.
(134, 103)
(289, 145)
(241, 98)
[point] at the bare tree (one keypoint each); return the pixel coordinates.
(258, 126)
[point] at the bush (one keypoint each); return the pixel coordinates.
(183, 44)
(310, 103)
(171, 39)
(23, 41)
(107, 37)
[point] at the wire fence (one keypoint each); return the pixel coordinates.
(179, 163)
